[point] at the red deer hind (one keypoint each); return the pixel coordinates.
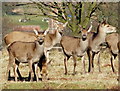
(112, 41)
(95, 40)
(75, 47)
(29, 52)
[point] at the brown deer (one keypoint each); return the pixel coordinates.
(113, 45)
(25, 52)
(52, 39)
(95, 41)
(19, 36)
(73, 46)
(49, 41)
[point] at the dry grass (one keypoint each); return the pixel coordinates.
(57, 79)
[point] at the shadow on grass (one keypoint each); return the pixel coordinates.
(22, 79)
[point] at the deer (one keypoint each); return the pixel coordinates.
(75, 47)
(26, 52)
(112, 41)
(52, 39)
(49, 39)
(95, 41)
(20, 36)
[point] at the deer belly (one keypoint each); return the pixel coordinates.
(22, 59)
(80, 53)
(96, 49)
(68, 52)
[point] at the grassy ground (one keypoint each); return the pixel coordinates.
(57, 79)
(34, 20)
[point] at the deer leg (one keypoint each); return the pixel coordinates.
(35, 71)
(18, 72)
(74, 59)
(44, 72)
(89, 59)
(8, 71)
(44, 68)
(15, 71)
(92, 61)
(65, 64)
(83, 60)
(99, 62)
(31, 70)
(10, 64)
(65, 60)
(112, 63)
(119, 64)
(46, 52)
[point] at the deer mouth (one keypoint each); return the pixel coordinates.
(40, 42)
(84, 37)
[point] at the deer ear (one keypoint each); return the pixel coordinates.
(104, 21)
(90, 28)
(35, 31)
(46, 31)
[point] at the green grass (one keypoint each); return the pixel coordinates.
(57, 85)
(34, 85)
(34, 20)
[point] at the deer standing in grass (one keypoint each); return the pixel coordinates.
(75, 47)
(53, 39)
(49, 40)
(112, 41)
(95, 40)
(26, 52)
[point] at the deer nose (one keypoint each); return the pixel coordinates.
(114, 29)
(84, 37)
(41, 39)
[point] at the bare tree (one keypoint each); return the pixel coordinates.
(76, 13)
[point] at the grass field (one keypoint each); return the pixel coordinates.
(57, 80)
(33, 20)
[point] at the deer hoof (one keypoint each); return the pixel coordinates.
(74, 73)
(65, 73)
(100, 71)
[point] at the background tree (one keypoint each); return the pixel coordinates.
(75, 13)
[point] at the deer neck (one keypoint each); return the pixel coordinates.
(39, 47)
(98, 38)
(101, 34)
(57, 38)
(82, 47)
(84, 44)
(38, 51)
